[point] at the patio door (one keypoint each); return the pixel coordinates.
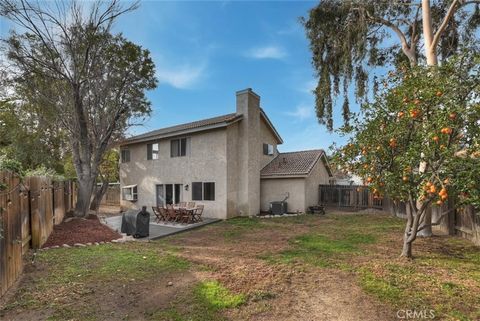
(169, 194)
(178, 193)
(160, 195)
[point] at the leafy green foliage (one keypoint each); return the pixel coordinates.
(27, 135)
(350, 39)
(428, 115)
(12, 165)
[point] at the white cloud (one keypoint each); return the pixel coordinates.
(182, 77)
(301, 112)
(268, 52)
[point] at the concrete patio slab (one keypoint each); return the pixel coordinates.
(159, 230)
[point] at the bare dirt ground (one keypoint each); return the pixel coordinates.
(300, 292)
(334, 267)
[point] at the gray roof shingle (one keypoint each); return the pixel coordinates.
(228, 118)
(293, 163)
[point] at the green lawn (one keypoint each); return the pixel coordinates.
(239, 268)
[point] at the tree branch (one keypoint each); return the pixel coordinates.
(446, 20)
(403, 40)
(424, 226)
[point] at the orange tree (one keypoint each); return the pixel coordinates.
(428, 116)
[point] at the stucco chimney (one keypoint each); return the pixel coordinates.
(249, 147)
(247, 102)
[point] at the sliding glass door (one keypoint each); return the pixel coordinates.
(169, 194)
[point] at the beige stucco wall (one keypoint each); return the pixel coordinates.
(318, 175)
(275, 189)
(206, 162)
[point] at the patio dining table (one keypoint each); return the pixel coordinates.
(189, 210)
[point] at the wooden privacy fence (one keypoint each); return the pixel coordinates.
(112, 196)
(28, 211)
(464, 222)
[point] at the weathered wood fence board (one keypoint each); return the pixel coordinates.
(28, 212)
(112, 196)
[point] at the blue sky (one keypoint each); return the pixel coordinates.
(206, 51)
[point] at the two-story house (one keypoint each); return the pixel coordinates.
(229, 163)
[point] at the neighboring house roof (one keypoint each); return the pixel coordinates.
(200, 125)
(294, 164)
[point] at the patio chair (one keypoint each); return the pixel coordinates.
(172, 215)
(163, 212)
(185, 215)
(182, 204)
(191, 205)
(159, 214)
(197, 214)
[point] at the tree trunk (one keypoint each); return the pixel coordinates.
(427, 231)
(84, 195)
(97, 199)
(407, 242)
(430, 50)
(407, 249)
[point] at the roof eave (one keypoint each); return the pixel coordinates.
(303, 175)
(131, 141)
(277, 135)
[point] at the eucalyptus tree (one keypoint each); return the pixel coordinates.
(349, 39)
(64, 56)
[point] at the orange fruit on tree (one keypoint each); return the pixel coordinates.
(416, 101)
(393, 142)
(414, 113)
(400, 114)
(452, 116)
(438, 93)
(405, 178)
(446, 130)
(436, 139)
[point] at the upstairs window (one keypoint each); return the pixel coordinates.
(125, 155)
(178, 147)
(152, 151)
(267, 149)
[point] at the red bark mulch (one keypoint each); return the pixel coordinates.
(83, 231)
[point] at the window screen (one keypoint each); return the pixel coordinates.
(197, 191)
(209, 191)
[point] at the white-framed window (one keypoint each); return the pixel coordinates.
(125, 155)
(203, 191)
(179, 147)
(130, 193)
(267, 149)
(153, 151)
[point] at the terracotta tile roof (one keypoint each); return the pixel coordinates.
(293, 163)
(199, 124)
